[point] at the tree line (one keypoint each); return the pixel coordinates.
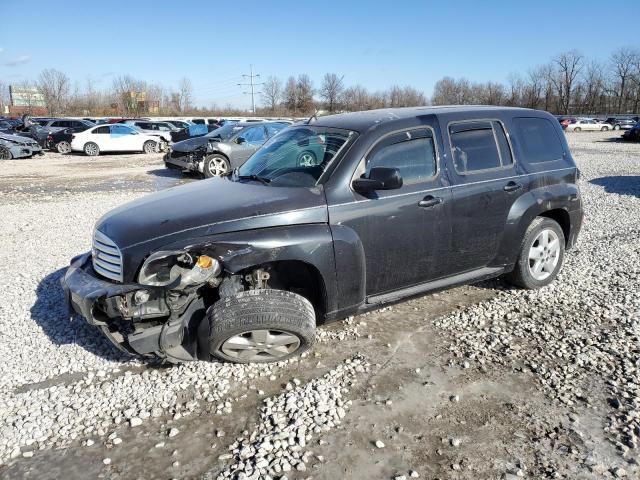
(569, 83)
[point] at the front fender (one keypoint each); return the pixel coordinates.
(562, 196)
(311, 244)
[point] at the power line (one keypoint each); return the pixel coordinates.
(251, 84)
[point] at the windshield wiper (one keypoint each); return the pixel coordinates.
(263, 180)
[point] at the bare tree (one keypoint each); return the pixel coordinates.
(272, 92)
(304, 93)
(331, 90)
(55, 87)
(568, 67)
(622, 65)
(185, 90)
(4, 96)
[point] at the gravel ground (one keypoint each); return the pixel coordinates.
(538, 384)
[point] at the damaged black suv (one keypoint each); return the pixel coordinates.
(330, 219)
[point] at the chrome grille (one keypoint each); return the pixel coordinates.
(107, 260)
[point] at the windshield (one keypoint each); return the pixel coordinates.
(223, 133)
(296, 157)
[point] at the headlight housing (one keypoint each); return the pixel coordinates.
(178, 269)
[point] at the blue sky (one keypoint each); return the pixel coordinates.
(376, 44)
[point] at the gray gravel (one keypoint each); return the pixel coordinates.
(580, 336)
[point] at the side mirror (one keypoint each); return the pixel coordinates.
(241, 140)
(380, 178)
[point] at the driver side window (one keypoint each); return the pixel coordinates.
(412, 152)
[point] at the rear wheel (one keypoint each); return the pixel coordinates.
(5, 154)
(616, 127)
(91, 149)
(541, 255)
(577, 129)
(149, 146)
(63, 147)
(260, 326)
(215, 166)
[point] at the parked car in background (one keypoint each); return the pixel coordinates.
(219, 152)
(179, 124)
(633, 133)
(244, 269)
(620, 123)
(161, 130)
(58, 124)
(113, 138)
(15, 146)
(587, 125)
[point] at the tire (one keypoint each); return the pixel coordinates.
(239, 321)
(524, 275)
(63, 147)
(616, 127)
(577, 129)
(150, 147)
(91, 149)
(216, 165)
(5, 154)
(604, 129)
(306, 159)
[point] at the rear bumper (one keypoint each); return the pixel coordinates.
(150, 329)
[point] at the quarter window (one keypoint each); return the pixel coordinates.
(411, 152)
(539, 139)
(101, 130)
(479, 145)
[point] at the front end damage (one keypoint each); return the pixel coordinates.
(186, 161)
(139, 319)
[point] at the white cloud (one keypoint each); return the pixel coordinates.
(18, 60)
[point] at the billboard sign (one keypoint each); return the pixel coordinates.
(26, 96)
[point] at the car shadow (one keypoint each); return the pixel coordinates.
(622, 185)
(50, 313)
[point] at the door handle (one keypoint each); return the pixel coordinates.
(430, 201)
(512, 187)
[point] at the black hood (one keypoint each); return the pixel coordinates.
(209, 207)
(191, 144)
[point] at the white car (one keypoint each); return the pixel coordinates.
(587, 125)
(113, 138)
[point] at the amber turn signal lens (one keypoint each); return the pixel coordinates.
(204, 261)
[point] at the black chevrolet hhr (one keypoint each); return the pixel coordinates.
(326, 220)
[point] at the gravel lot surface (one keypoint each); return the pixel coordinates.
(475, 382)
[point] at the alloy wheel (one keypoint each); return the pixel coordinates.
(217, 167)
(260, 345)
(544, 254)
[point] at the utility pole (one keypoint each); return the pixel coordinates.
(251, 84)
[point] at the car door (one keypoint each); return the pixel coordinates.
(252, 138)
(101, 136)
(123, 138)
(405, 233)
(485, 185)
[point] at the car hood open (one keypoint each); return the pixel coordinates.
(210, 207)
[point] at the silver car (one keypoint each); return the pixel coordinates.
(219, 152)
(15, 146)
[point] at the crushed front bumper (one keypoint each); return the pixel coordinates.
(154, 328)
(186, 163)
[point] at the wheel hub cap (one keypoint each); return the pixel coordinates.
(260, 345)
(217, 167)
(544, 254)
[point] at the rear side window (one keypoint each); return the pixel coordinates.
(479, 145)
(411, 152)
(102, 130)
(539, 139)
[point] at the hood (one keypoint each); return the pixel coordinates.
(190, 144)
(17, 138)
(210, 207)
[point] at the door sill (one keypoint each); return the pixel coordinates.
(440, 284)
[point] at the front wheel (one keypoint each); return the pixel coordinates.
(541, 255)
(149, 146)
(5, 154)
(215, 166)
(260, 326)
(616, 127)
(577, 129)
(604, 129)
